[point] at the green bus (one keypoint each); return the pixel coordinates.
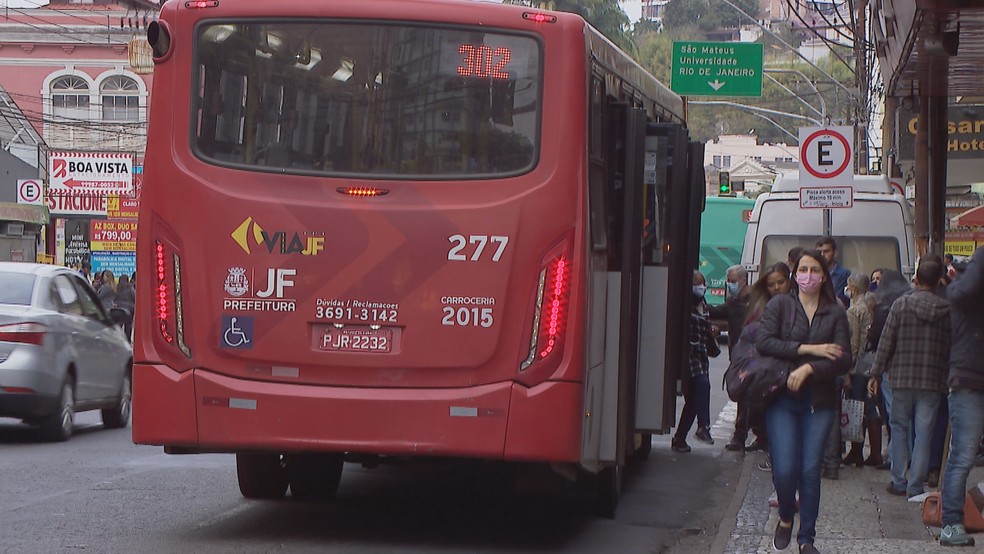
(722, 233)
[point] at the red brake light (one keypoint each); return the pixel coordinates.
(24, 333)
(553, 315)
(202, 4)
(362, 191)
(538, 17)
(552, 299)
(163, 292)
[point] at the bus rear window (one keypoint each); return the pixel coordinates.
(366, 99)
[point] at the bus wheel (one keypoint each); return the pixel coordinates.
(261, 476)
(609, 490)
(314, 477)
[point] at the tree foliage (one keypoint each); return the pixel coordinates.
(605, 15)
(708, 15)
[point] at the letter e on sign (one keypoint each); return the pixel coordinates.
(29, 191)
(826, 156)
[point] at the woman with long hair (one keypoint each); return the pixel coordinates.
(859, 320)
(773, 281)
(809, 328)
(107, 291)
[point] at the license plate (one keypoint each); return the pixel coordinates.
(354, 339)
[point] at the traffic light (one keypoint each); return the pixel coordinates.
(724, 187)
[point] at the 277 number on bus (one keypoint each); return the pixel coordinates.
(459, 244)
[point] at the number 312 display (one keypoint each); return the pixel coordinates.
(484, 61)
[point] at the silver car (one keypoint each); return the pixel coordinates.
(59, 351)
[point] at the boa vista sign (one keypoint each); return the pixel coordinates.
(90, 173)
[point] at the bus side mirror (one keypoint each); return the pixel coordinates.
(160, 39)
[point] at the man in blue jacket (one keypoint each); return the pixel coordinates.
(966, 399)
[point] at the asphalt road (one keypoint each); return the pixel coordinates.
(99, 492)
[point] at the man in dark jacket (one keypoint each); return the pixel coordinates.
(838, 273)
(735, 311)
(914, 352)
(966, 399)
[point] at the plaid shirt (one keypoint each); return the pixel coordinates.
(702, 341)
(914, 349)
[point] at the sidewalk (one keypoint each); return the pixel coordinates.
(857, 515)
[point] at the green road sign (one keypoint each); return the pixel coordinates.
(717, 69)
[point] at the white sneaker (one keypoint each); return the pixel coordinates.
(919, 497)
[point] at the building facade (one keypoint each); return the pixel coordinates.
(77, 82)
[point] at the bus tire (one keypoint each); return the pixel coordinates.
(314, 477)
(261, 476)
(609, 482)
(58, 427)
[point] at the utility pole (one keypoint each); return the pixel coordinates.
(863, 82)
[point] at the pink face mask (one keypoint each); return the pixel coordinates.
(809, 282)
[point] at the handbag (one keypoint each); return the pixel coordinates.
(851, 416)
(753, 378)
(862, 366)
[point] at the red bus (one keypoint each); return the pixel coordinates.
(386, 228)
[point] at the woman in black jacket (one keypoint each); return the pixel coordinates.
(809, 328)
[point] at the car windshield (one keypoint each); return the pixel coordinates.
(367, 99)
(17, 288)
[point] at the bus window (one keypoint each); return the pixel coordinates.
(367, 99)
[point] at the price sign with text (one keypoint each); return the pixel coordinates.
(113, 236)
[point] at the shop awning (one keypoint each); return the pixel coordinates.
(973, 217)
(26, 213)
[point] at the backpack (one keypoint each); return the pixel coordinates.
(752, 378)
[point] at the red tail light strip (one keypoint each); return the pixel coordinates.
(164, 295)
(550, 316)
(23, 333)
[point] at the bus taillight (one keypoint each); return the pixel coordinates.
(168, 292)
(552, 297)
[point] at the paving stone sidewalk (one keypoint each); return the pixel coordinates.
(857, 515)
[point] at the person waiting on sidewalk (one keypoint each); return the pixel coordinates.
(838, 274)
(800, 418)
(734, 311)
(773, 282)
(914, 352)
(859, 320)
(966, 399)
(697, 388)
(892, 285)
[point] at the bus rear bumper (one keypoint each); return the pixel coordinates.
(203, 411)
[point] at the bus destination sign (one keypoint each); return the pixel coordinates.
(717, 69)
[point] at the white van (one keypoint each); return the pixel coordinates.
(875, 232)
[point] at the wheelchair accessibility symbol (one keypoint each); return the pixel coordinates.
(237, 332)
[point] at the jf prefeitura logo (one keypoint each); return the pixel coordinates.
(304, 243)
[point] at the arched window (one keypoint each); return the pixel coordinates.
(120, 99)
(70, 98)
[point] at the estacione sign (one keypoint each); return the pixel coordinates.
(90, 173)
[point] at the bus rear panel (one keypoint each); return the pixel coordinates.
(360, 241)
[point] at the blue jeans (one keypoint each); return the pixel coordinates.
(697, 406)
(796, 435)
(966, 428)
(906, 403)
